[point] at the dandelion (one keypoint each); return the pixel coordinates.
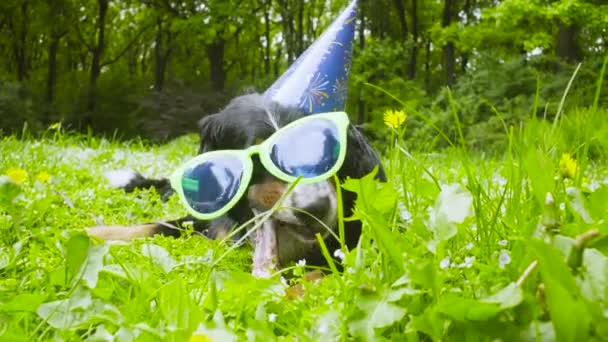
(199, 338)
(568, 166)
(272, 317)
(445, 263)
(17, 175)
(504, 259)
(43, 177)
(394, 118)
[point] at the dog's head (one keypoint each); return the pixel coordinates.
(289, 233)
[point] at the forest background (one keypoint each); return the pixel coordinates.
(150, 68)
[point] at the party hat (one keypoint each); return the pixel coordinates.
(317, 82)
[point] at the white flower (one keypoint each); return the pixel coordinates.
(301, 263)
(329, 300)
(593, 186)
(504, 258)
(500, 180)
(502, 242)
(445, 263)
(339, 254)
(469, 246)
(562, 206)
(350, 270)
(284, 282)
(272, 317)
(323, 328)
(468, 262)
(404, 213)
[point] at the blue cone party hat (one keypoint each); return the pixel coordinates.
(317, 82)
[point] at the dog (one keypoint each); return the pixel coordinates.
(307, 210)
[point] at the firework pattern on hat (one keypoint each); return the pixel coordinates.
(317, 82)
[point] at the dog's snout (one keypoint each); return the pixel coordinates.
(264, 196)
(316, 210)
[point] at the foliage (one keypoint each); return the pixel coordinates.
(455, 246)
(126, 68)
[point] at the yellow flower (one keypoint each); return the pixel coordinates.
(199, 338)
(394, 118)
(43, 177)
(568, 166)
(17, 175)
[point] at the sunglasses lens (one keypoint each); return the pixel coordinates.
(308, 150)
(210, 185)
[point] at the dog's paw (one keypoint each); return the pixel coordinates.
(122, 232)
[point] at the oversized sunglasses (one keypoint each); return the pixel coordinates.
(310, 149)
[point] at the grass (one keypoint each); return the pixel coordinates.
(456, 246)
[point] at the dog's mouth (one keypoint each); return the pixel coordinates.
(265, 250)
(278, 241)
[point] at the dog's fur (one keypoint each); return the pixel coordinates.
(248, 120)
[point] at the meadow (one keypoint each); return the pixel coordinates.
(458, 245)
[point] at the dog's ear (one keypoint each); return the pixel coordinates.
(210, 131)
(361, 158)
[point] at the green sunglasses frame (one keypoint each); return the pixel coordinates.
(340, 119)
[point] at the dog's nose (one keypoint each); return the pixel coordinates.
(263, 196)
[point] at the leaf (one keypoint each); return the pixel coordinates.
(93, 264)
(431, 322)
(379, 313)
(159, 256)
(508, 297)
(77, 249)
(182, 315)
(577, 203)
(464, 309)
(24, 302)
(8, 192)
(453, 205)
(569, 315)
(373, 210)
(67, 313)
(594, 284)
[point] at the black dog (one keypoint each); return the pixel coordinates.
(248, 120)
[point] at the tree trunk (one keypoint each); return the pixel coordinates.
(402, 20)
(411, 70)
(51, 79)
(427, 67)
(300, 33)
(403, 24)
(448, 49)
(277, 62)
(215, 53)
(567, 47)
(159, 62)
(98, 50)
(267, 38)
(19, 32)
(464, 58)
